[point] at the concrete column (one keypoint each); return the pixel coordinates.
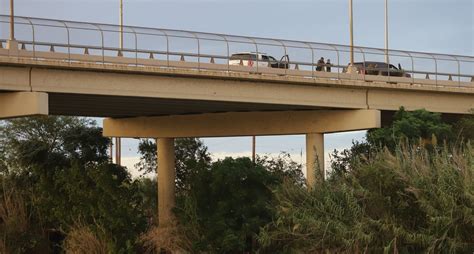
(314, 157)
(166, 180)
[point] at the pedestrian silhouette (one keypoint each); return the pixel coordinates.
(320, 64)
(328, 65)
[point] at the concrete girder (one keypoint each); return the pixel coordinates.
(243, 124)
(18, 104)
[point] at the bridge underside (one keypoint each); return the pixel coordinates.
(128, 107)
(125, 106)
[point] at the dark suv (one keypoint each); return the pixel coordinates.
(379, 68)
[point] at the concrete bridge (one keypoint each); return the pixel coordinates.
(166, 84)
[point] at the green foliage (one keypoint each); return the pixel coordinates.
(410, 201)
(341, 162)
(148, 191)
(465, 127)
(190, 154)
(103, 195)
(60, 165)
(411, 127)
(17, 233)
(419, 128)
(227, 204)
(282, 167)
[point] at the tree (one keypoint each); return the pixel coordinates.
(227, 204)
(343, 161)
(411, 127)
(191, 153)
(419, 127)
(61, 165)
(283, 167)
(465, 127)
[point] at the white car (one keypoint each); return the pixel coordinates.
(264, 60)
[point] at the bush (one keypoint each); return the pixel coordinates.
(18, 233)
(81, 239)
(409, 201)
(226, 206)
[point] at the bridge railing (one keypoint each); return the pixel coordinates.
(69, 41)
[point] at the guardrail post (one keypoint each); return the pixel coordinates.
(12, 45)
(86, 51)
(23, 46)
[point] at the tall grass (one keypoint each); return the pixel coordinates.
(83, 239)
(14, 221)
(409, 201)
(172, 238)
(18, 233)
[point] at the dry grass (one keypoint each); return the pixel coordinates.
(170, 238)
(82, 240)
(13, 220)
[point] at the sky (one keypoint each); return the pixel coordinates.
(440, 26)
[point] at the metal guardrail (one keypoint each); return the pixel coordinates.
(99, 43)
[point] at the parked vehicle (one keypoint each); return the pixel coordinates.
(379, 68)
(264, 60)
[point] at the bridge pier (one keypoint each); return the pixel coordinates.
(166, 174)
(314, 158)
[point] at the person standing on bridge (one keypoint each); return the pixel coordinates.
(328, 65)
(320, 64)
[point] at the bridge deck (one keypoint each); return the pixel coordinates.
(163, 72)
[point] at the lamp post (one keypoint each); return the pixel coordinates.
(118, 141)
(121, 25)
(351, 68)
(253, 148)
(12, 44)
(351, 25)
(12, 21)
(386, 32)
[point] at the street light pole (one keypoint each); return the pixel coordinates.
(121, 25)
(351, 24)
(386, 32)
(12, 21)
(12, 44)
(118, 141)
(253, 148)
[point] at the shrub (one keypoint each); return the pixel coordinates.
(409, 201)
(226, 206)
(82, 239)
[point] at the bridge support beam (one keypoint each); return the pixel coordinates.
(166, 181)
(314, 158)
(18, 104)
(243, 124)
